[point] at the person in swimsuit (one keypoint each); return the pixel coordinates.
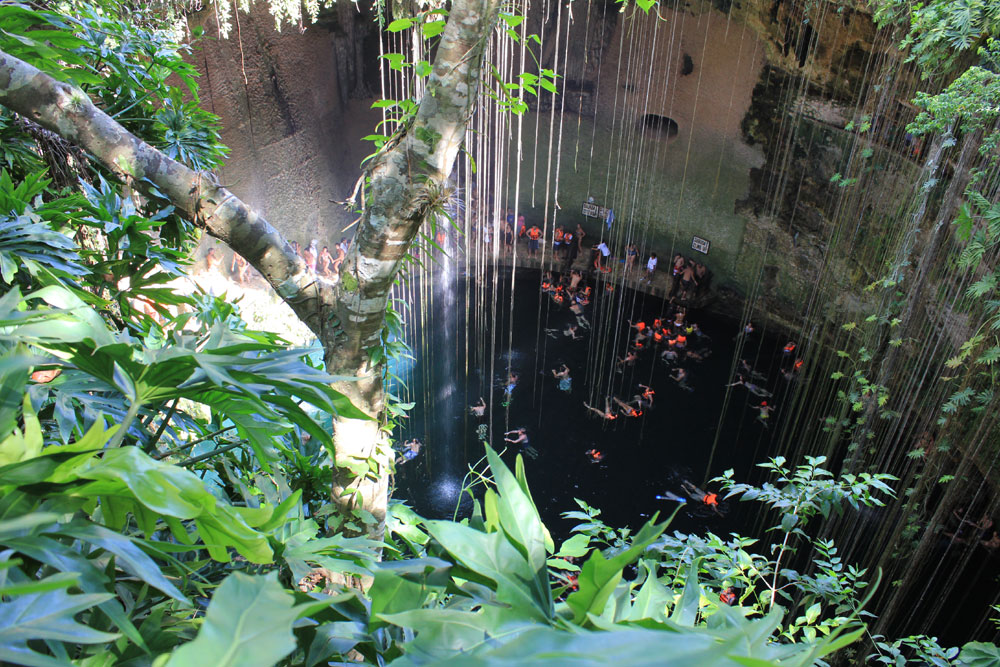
(562, 376)
(710, 500)
(680, 377)
(521, 438)
(606, 413)
(508, 391)
(688, 281)
(647, 394)
(627, 409)
(311, 255)
(478, 409)
(631, 253)
(751, 387)
(765, 412)
(324, 266)
(629, 360)
(240, 268)
(411, 448)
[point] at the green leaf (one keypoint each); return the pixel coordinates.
(432, 28)
(405, 585)
(49, 616)
(979, 654)
(399, 25)
(129, 557)
(599, 575)
(248, 624)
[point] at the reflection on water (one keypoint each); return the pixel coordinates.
(642, 458)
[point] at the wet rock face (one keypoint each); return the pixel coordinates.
(293, 107)
(712, 107)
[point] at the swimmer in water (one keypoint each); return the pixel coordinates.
(647, 394)
(765, 412)
(562, 376)
(594, 455)
(478, 409)
(669, 355)
(606, 414)
(710, 500)
(508, 391)
(627, 409)
(667, 495)
(411, 448)
(751, 387)
(521, 438)
(629, 360)
(680, 377)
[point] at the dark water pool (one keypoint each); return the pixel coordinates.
(685, 436)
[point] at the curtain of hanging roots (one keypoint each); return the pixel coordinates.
(886, 302)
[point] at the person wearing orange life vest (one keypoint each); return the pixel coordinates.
(557, 239)
(789, 349)
(627, 409)
(728, 596)
(534, 234)
(710, 500)
(606, 414)
(567, 242)
(647, 394)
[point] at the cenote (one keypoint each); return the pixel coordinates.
(404, 188)
(673, 441)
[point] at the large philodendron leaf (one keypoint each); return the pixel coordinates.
(599, 575)
(28, 243)
(46, 616)
(248, 624)
(128, 478)
(519, 519)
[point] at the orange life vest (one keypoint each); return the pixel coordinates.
(534, 233)
(558, 236)
(711, 499)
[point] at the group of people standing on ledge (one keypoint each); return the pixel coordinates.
(319, 261)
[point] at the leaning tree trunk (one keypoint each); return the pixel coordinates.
(405, 180)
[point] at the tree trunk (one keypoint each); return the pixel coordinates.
(405, 181)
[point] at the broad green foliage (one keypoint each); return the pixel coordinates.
(164, 471)
(248, 624)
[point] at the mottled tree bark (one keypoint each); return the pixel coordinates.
(405, 180)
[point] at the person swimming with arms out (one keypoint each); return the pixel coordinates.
(647, 394)
(710, 500)
(680, 377)
(411, 448)
(607, 414)
(627, 409)
(751, 387)
(521, 438)
(765, 412)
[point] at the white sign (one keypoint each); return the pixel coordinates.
(700, 244)
(592, 210)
